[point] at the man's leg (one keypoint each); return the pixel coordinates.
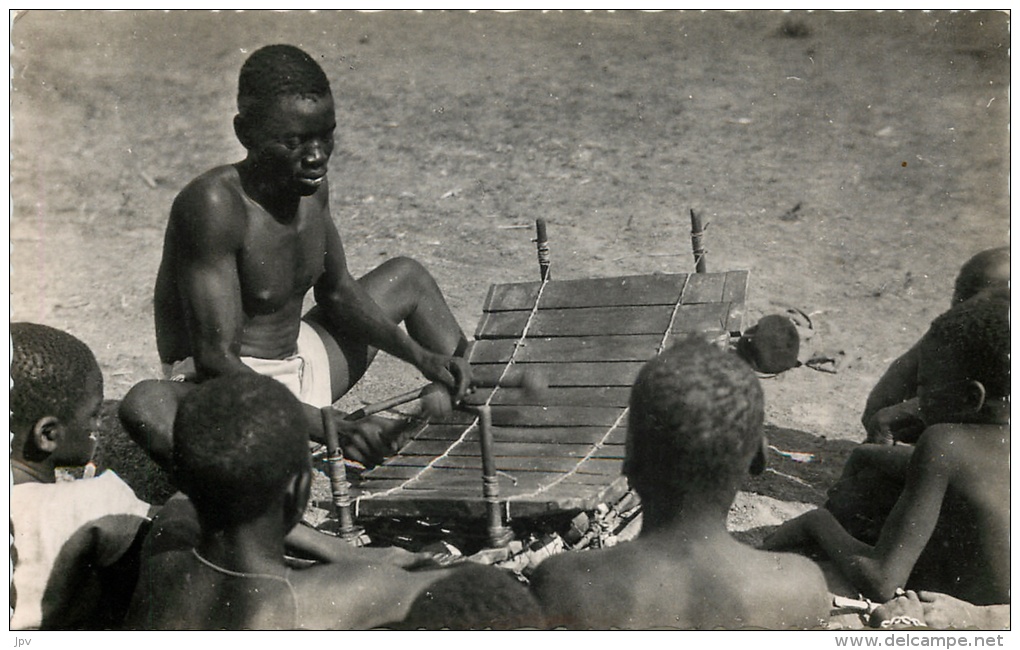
(147, 413)
(408, 294)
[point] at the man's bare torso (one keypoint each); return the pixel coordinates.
(277, 262)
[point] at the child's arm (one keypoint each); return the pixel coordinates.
(877, 571)
(320, 546)
(942, 612)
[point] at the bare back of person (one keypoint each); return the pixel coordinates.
(276, 263)
(179, 593)
(184, 591)
(659, 583)
(969, 549)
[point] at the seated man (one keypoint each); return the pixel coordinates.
(241, 456)
(244, 245)
(891, 412)
(75, 543)
(949, 529)
(694, 433)
(874, 473)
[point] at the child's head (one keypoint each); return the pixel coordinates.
(963, 369)
(988, 270)
(474, 597)
(286, 118)
(56, 395)
(695, 422)
(240, 447)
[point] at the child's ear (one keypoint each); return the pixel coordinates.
(759, 461)
(298, 492)
(47, 433)
(962, 398)
(973, 396)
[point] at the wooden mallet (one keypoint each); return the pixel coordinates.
(437, 401)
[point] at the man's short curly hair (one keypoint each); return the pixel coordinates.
(695, 419)
(277, 71)
(48, 372)
(238, 440)
(975, 334)
(989, 269)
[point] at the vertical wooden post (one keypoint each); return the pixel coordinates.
(338, 479)
(542, 244)
(499, 535)
(699, 251)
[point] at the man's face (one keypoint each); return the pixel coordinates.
(293, 142)
(79, 439)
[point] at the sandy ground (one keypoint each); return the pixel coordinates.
(850, 161)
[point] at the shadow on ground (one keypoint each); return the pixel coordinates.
(788, 479)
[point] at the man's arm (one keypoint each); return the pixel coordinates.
(352, 309)
(209, 226)
(898, 384)
(877, 571)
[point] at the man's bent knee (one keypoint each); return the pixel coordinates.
(147, 413)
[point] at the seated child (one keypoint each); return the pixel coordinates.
(241, 455)
(891, 412)
(75, 542)
(694, 433)
(474, 597)
(949, 529)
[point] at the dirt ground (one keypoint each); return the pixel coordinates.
(850, 161)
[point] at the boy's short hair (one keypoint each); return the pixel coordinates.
(989, 269)
(274, 71)
(695, 418)
(238, 440)
(48, 372)
(474, 597)
(976, 335)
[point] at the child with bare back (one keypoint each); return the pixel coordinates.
(949, 529)
(874, 473)
(247, 242)
(694, 433)
(241, 456)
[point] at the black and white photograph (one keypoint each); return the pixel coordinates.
(510, 321)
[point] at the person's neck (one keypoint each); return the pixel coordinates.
(252, 547)
(692, 517)
(260, 189)
(25, 471)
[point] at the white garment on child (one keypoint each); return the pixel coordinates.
(44, 516)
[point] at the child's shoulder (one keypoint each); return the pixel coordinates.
(951, 448)
(960, 437)
(795, 585)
